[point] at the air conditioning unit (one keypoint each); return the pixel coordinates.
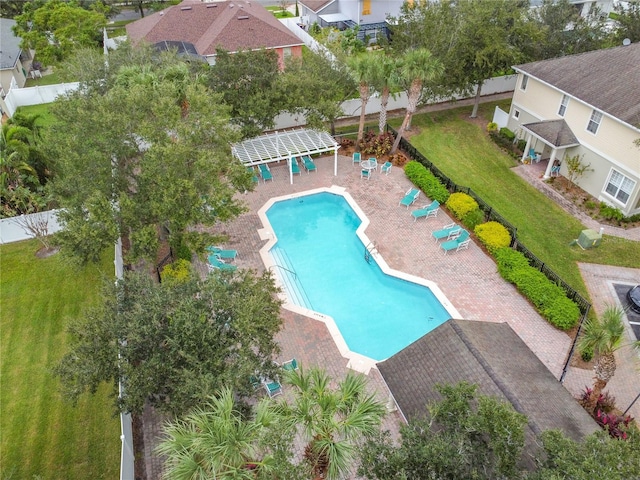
(589, 239)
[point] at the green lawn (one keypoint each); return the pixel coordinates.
(43, 436)
(50, 79)
(46, 118)
(465, 154)
(277, 11)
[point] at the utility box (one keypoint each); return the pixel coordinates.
(589, 239)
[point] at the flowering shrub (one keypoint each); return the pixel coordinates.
(376, 145)
(615, 424)
(493, 235)
(461, 204)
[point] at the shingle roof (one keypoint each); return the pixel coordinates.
(9, 44)
(607, 79)
(230, 25)
(492, 356)
(556, 132)
(316, 5)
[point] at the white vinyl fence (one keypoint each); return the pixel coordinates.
(15, 229)
(22, 97)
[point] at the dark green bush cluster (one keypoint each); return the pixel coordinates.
(610, 213)
(460, 204)
(493, 235)
(472, 219)
(504, 139)
(426, 181)
(550, 300)
(508, 134)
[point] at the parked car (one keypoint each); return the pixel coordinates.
(633, 297)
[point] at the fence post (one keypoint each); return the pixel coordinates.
(573, 345)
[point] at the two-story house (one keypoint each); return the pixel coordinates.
(15, 63)
(587, 105)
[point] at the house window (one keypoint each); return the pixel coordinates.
(594, 121)
(286, 51)
(366, 7)
(563, 105)
(516, 113)
(619, 186)
(523, 83)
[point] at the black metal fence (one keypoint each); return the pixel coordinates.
(492, 215)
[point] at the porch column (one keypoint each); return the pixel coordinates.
(552, 158)
(526, 149)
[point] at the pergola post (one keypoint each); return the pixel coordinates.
(335, 162)
(290, 163)
(552, 158)
(526, 149)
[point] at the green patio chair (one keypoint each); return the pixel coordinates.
(265, 173)
(290, 365)
(448, 232)
(426, 211)
(216, 263)
(410, 197)
(309, 166)
(459, 243)
(223, 254)
(295, 168)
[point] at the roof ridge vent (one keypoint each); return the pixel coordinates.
(243, 17)
(185, 8)
(211, 5)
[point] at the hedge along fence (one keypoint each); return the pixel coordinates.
(491, 215)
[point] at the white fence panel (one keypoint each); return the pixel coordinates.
(500, 117)
(22, 97)
(12, 229)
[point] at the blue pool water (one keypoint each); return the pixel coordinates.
(377, 314)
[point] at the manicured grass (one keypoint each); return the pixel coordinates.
(469, 157)
(50, 79)
(44, 436)
(277, 11)
(46, 118)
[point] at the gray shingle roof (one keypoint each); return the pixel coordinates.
(556, 132)
(230, 25)
(607, 79)
(492, 356)
(316, 5)
(9, 44)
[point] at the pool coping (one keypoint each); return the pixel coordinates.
(356, 361)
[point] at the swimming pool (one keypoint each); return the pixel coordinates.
(319, 251)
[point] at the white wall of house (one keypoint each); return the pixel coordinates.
(610, 151)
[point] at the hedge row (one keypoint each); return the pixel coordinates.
(550, 300)
(426, 181)
(493, 235)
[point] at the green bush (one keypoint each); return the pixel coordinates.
(492, 127)
(426, 181)
(508, 134)
(509, 260)
(610, 213)
(536, 287)
(460, 204)
(472, 219)
(177, 272)
(493, 235)
(563, 313)
(586, 354)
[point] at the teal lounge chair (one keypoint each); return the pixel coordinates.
(410, 197)
(265, 173)
(356, 158)
(308, 164)
(223, 254)
(217, 264)
(255, 383)
(386, 167)
(459, 243)
(253, 172)
(290, 365)
(448, 232)
(427, 211)
(272, 387)
(295, 168)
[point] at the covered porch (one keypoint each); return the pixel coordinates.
(549, 139)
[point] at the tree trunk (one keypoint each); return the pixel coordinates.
(141, 7)
(384, 100)
(476, 101)
(364, 98)
(412, 102)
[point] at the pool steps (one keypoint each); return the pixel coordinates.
(290, 281)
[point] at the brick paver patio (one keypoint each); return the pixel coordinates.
(468, 278)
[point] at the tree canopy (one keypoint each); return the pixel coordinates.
(156, 157)
(176, 343)
(54, 28)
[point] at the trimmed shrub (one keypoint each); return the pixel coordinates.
(460, 204)
(509, 261)
(426, 181)
(586, 354)
(563, 313)
(177, 272)
(493, 235)
(508, 134)
(472, 219)
(536, 287)
(492, 127)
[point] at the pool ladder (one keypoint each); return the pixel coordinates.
(368, 251)
(291, 282)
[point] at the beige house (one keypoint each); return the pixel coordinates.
(15, 63)
(587, 105)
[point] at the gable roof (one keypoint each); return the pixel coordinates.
(554, 132)
(492, 356)
(605, 79)
(9, 45)
(316, 5)
(230, 25)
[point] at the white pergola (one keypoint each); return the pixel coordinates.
(277, 146)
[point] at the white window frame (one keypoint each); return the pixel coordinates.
(516, 114)
(524, 82)
(619, 183)
(564, 103)
(594, 122)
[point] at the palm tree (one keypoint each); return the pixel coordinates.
(603, 336)
(332, 421)
(362, 68)
(384, 80)
(217, 442)
(417, 67)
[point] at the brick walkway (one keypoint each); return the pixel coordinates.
(468, 278)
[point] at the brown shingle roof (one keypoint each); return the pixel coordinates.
(230, 25)
(607, 79)
(316, 5)
(556, 132)
(492, 356)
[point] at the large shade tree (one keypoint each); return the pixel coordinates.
(145, 152)
(627, 21)
(176, 343)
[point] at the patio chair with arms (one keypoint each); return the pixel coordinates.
(459, 243)
(448, 232)
(386, 167)
(426, 211)
(410, 197)
(356, 158)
